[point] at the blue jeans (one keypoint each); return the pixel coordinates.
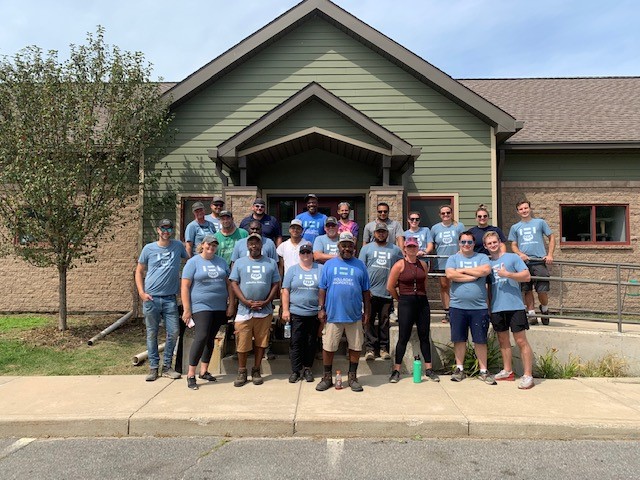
(167, 308)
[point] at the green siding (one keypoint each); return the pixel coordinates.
(540, 167)
(455, 144)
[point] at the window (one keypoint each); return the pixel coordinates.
(429, 208)
(595, 224)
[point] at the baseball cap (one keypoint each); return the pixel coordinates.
(259, 201)
(226, 213)
(306, 247)
(165, 222)
(217, 200)
(296, 221)
(382, 226)
(196, 206)
(210, 239)
(346, 237)
(310, 195)
(411, 242)
(331, 220)
(254, 235)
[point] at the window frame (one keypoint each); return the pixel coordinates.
(593, 226)
(442, 198)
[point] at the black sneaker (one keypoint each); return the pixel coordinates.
(294, 377)
(353, 383)
(308, 375)
(545, 320)
(395, 377)
(325, 384)
(256, 378)
(208, 377)
(269, 355)
(431, 375)
(191, 383)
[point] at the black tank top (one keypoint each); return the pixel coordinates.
(411, 280)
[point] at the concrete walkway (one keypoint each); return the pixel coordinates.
(129, 406)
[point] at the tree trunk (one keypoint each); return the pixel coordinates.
(62, 298)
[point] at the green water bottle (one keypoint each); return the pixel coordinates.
(417, 369)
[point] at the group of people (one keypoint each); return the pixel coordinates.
(327, 291)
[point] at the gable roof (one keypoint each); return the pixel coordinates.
(504, 123)
(589, 111)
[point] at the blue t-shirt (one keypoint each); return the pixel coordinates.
(195, 232)
(529, 236)
(163, 267)
(505, 292)
(268, 249)
(379, 260)
(254, 277)
(208, 283)
(478, 233)
(215, 221)
(312, 225)
(344, 282)
(303, 289)
(446, 241)
(324, 244)
(423, 235)
(468, 295)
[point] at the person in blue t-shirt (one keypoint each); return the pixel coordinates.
(421, 234)
(507, 309)
(527, 241)
(325, 247)
(198, 229)
(299, 299)
(379, 256)
(467, 271)
(445, 242)
(312, 220)
(344, 303)
(240, 249)
(207, 302)
(161, 260)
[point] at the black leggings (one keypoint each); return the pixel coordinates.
(207, 325)
(304, 337)
(413, 309)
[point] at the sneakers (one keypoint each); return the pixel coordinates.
(269, 355)
(395, 377)
(531, 315)
(191, 383)
(526, 382)
(446, 317)
(370, 355)
(308, 375)
(487, 378)
(353, 383)
(458, 375)
(431, 375)
(153, 374)
(294, 377)
(385, 355)
(208, 377)
(545, 321)
(170, 373)
(326, 383)
(256, 378)
(504, 376)
(241, 379)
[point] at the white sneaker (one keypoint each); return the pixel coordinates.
(526, 382)
(505, 376)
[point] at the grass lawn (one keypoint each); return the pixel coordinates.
(32, 345)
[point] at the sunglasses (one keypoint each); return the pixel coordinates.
(383, 211)
(414, 219)
(483, 216)
(166, 229)
(467, 242)
(259, 206)
(306, 252)
(445, 213)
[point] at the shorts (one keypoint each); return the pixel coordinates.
(514, 319)
(537, 270)
(255, 328)
(332, 333)
(461, 321)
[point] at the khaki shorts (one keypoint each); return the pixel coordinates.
(257, 329)
(332, 333)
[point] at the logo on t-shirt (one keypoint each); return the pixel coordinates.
(382, 258)
(467, 263)
(308, 279)
(212, 271)
(497, 278)
(343, 275)
(165, 259)
(256, 271)
(527, 233)
(446, 237)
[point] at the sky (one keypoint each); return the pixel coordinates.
(463, 38)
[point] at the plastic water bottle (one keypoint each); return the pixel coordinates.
(338, 380)
(417, 369)
(287, 330)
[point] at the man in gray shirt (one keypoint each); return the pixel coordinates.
(396, 233)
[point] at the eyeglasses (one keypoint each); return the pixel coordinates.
(306, 252)
(467, 242)
(383, 211)
(258, 206)
(414, 219)
(166, 229)
(483, 216)
(445, 213)
(331, 225)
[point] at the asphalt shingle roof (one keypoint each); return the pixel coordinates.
(602, 109)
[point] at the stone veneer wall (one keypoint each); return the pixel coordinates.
(545, 201)
(239, 201)
(391, 195)
(105, 286)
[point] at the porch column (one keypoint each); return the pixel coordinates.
(394, 196)
(239, 200)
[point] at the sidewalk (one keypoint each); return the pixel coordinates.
(129, 406)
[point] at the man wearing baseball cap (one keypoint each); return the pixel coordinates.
(270, 224)
(325, 247)
(289, 250)
(344, 306)
(228, 235)
(197, 229)
(217, 205)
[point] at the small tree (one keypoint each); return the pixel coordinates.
(75, 139)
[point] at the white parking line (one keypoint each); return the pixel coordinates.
(17, 445)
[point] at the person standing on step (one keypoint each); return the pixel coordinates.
(207, 301)
(483, 227)
(288, 250)
(228, 236)
(158, 290)
(197, 229)
(345, 224)
(395, 229)
(271, 228)
(312, 220)
(407, 284)
(507, 309)
(344, 303)
(421, 234)
(325, 247)
(527, 241)
(217, 205)
(379, 256)
(300, 308)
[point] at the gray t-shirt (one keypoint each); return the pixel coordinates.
(268, 249)
(208, 283)
(395, 231)
(379, 260)
(468, 295)
(163, 267)
(325, 245)
(303, 289)
(255, 277)
(195, 232)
